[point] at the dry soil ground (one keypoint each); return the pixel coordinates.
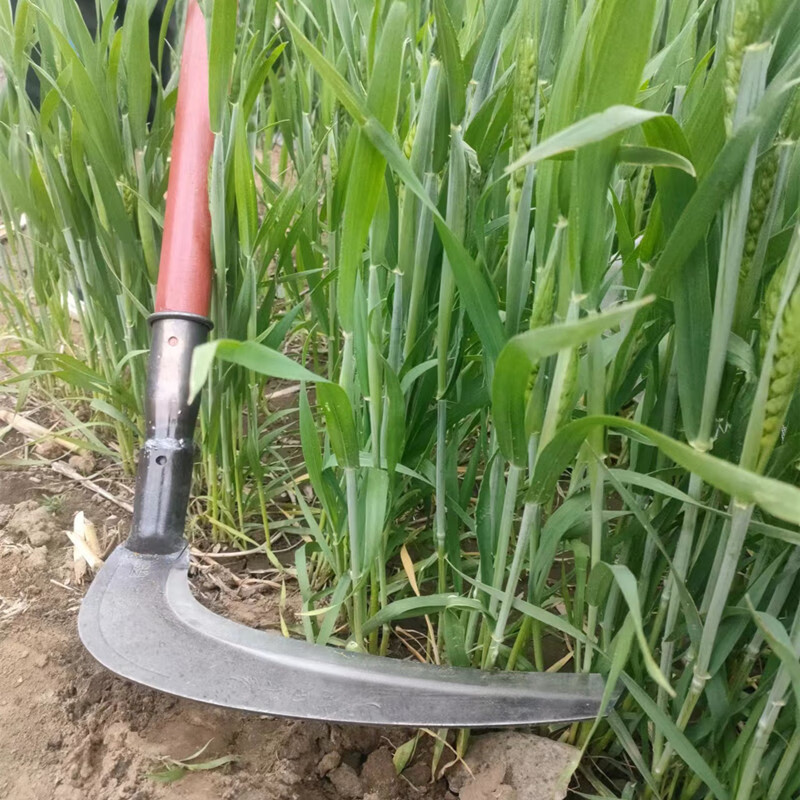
(69, 730)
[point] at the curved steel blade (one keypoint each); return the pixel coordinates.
(139, 620)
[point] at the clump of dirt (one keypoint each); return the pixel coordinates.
(29, 521)
(69, 730)
(83, 462)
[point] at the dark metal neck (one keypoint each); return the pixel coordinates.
(164, 474)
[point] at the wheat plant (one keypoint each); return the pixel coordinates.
(532, 269)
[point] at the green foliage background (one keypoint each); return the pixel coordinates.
(531, 271)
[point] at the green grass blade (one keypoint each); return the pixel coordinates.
(655, 157)
(778, 498)
(249, 355)
(341, 427)
(137, 66)
(420, 606)
(682, 746)
(591, 129)
(221, 46)
(626, 582)
(451, 58)
(475, 293)
(510, 381)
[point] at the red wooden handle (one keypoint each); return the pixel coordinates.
(184, 273)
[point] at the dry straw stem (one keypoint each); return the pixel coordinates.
(33, 430)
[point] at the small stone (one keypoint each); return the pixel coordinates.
(40, 660)
(346, 782)
(37, 558)
(536, 768)
(83, 462)
(329, 762)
